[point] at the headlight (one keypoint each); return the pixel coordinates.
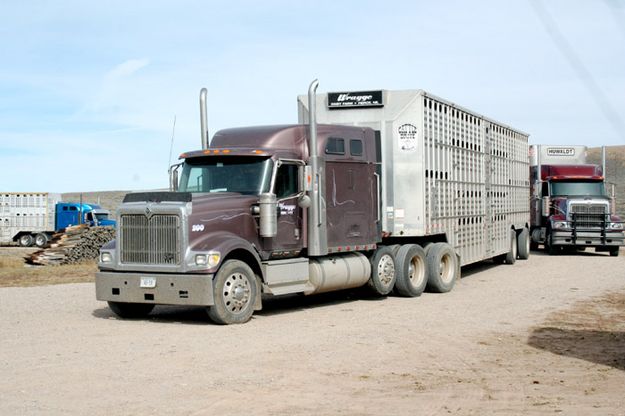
(210, 259)
(616, 226)
(557, 225)
(106, 257)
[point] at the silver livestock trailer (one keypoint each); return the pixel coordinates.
(448, 174)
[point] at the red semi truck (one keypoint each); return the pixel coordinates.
(570, 205)
(412, 190)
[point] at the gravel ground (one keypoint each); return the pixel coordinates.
(541, 336)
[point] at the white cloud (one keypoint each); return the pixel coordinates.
(126, 69)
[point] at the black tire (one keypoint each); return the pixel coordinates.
(25, 240)
(549, 247)
(131, 310)
(512, 254)
(41, 240)
(614, 252)
(234, 294)
(411, 270)
(395, 248)
(524, 244)
(442, 268)
(383, 274)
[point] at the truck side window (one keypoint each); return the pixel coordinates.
(355, 147)
(335, 146)
(545, 190)
(286, 181)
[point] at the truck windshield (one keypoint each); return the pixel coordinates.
(244, 175)
(102, 216)
(578, 188)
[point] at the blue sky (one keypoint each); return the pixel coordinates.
(89, 90)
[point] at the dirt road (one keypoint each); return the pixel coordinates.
(544, 336)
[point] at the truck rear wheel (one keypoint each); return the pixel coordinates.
(511, 256)
(25, 240)
(523, 244)
(234, 290)
(442, 267)
(41, 240)
(131, 310)
(383, 275)
(411, 270)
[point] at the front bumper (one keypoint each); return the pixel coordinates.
(170, 289)
(588, 238)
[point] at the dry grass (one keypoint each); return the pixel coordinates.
(15, 273)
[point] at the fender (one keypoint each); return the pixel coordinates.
(225, 243)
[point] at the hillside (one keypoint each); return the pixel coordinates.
(615, 161)
(108, 199)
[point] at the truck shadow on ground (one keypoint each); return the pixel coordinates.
(194, 315)
(568, 253)
(191, 315)
(600, 347)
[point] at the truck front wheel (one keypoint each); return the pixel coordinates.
(614, 252)
(131, 310)
(234, 293)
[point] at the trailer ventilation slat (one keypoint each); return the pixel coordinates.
(150, 240)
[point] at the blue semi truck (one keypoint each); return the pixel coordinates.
(31, 218)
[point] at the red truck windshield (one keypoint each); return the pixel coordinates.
(578, 189)
(245, 175)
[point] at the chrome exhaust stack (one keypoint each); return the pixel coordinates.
(203, 118)
(317, 231)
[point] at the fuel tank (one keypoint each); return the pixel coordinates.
(344, 271)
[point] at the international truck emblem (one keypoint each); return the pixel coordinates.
(148, 212)
(407, 137)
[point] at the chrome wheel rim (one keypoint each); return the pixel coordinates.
(386, 269)
(236, 292)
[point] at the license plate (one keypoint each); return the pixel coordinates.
(147, 282)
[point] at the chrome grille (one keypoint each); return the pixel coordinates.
(150, 240)
(589, 216)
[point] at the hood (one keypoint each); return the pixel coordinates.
(222, 212)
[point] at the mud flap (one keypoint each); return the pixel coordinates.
(258, 303)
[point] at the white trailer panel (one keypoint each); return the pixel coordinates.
(26, 211)
(446, 170)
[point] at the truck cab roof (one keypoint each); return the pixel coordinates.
(290, 141)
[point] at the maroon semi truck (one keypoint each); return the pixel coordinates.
(396, 203)
(570, 205)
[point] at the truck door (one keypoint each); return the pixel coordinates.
(287, 187)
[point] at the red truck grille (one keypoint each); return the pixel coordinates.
(149, 240)
(589, 216)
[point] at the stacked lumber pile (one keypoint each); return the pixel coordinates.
(73, 245)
